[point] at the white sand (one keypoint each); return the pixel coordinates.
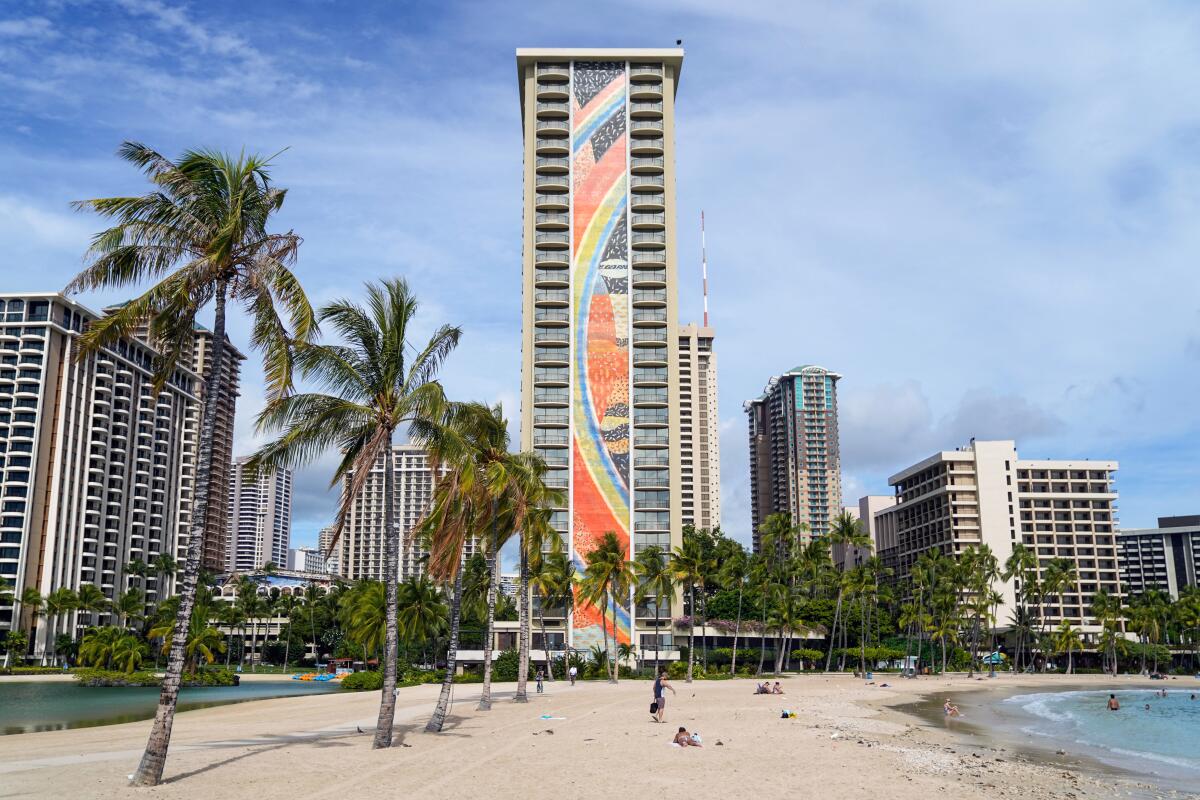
(845, 744)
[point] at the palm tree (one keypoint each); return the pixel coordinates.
(32, 601)
(374, 385)
(91, 600)
(1021, 566)
(129, 605)
(128, 652)
(58, 603)
(688, 568)
(550, 578)
(96, 646)
(656, 581)
(362, 614)
(1066, 640)
(286, 606)
(607, 578)
(202, 235)
(734, 570)
(137, 568)
(252, 607)
(537, 537)
(850, 534)
(422, 610)
(164, 566)
(1106, 609)
(231, 616)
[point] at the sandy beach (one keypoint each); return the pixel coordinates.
(847, 742)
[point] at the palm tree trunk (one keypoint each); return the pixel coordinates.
(657, 632)
(703, 627)
(545, 648)
(523, 610)
(485, 696)
(862, 641)
(604, 633)
(737, 627)
(691, 631)
(391, 633)
(443, 704)
(837, 613)
(762, 638)
(154, 759)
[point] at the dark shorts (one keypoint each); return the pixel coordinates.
(662, 702)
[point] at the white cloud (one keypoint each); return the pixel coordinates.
(27, 28)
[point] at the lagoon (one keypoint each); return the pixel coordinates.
(27, 707)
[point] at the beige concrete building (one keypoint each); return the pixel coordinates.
(260, 518)
(984, 494)
(333, 561)
(795, 458)
(865, 512)
(699, 429)
(360, 549)
(97, 467)
(599, 361)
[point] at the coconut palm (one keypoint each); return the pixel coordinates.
(1066, 640)
(96, 646)
(32, 601)
(362, 615)
(551, 577)
(688, 566)
(537, 538)
(373, 385)
(848, 532)
(91, 600)
(60, 602)
(201, 235)
(422, 610)
(1106, 609)
(606, 580)
(655, 582)
(1021, 567)
(129, 605)
(286, 606)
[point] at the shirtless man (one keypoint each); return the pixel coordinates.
(1113, 703)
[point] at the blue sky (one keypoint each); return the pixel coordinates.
(981, 215)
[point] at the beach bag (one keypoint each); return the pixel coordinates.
(654, 707)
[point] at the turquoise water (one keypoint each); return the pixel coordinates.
(1161, 740)
(52, 706)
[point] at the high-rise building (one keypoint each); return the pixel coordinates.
(699, 429)
(983, 494)
(1166, 558)
(360, 548)
(332, 555)
(845, 557)
(306, 559)
(260, 517)
(795, 461)
(215, 555)
(600, 366)
(97, 466)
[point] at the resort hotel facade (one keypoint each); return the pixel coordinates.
(600, 376)
(98, 468)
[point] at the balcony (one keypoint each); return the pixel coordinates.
(552, 147)
(647, 202)
(646, 147)
(646, 91)
(555, 183)
(650, 316)
(557, 92)
(644, 183)
(648, 222)
(654, 336)
(640, 110)
(556, 166)
(650, 376)
(551, 258)
(552, 299)
(552, 241)
(550, 357)
(650, 357)
(650, 398)
(551, 202)
(650, 258)
(644, 72)
(555, 72)
(555, 110)
(551, 420)
(650, 299)
(647, 166)
(549, 399)
(646, 127)
(652, 479)
(551, 279)
(550, 317)
(550, 378)
(556, 128)
(551, 222)
(649, 279)
(551, 337)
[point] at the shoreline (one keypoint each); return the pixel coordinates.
(848, 740)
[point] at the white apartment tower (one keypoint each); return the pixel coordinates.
(699, 429)
(600, 366)
(984, 493)
(97, 467)
(360, 549)
(260, 517)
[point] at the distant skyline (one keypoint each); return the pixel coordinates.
(981, 216)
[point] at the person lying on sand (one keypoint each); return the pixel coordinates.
(776, 689)
(951, 709)
(684, 739)
(762, 688)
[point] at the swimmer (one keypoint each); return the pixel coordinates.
(1113, 703)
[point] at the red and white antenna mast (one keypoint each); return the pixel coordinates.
(704, 266)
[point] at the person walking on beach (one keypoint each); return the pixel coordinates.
(573, 672)
(1113, 703)
(540, 677)
(660, 699)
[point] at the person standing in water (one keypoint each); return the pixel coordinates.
(1113, 703)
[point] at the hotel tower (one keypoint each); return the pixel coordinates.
(600, 363)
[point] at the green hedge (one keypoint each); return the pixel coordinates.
(363, 681)
(35, 671)
(108, 677)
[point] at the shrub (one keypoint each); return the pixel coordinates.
(678, 669)
(363, 681)
(108, 677)
(507, 666)
(807, 654)
(33, 671)
(468, 677)
(724, 655)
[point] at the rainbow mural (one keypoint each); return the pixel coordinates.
(600, 378)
